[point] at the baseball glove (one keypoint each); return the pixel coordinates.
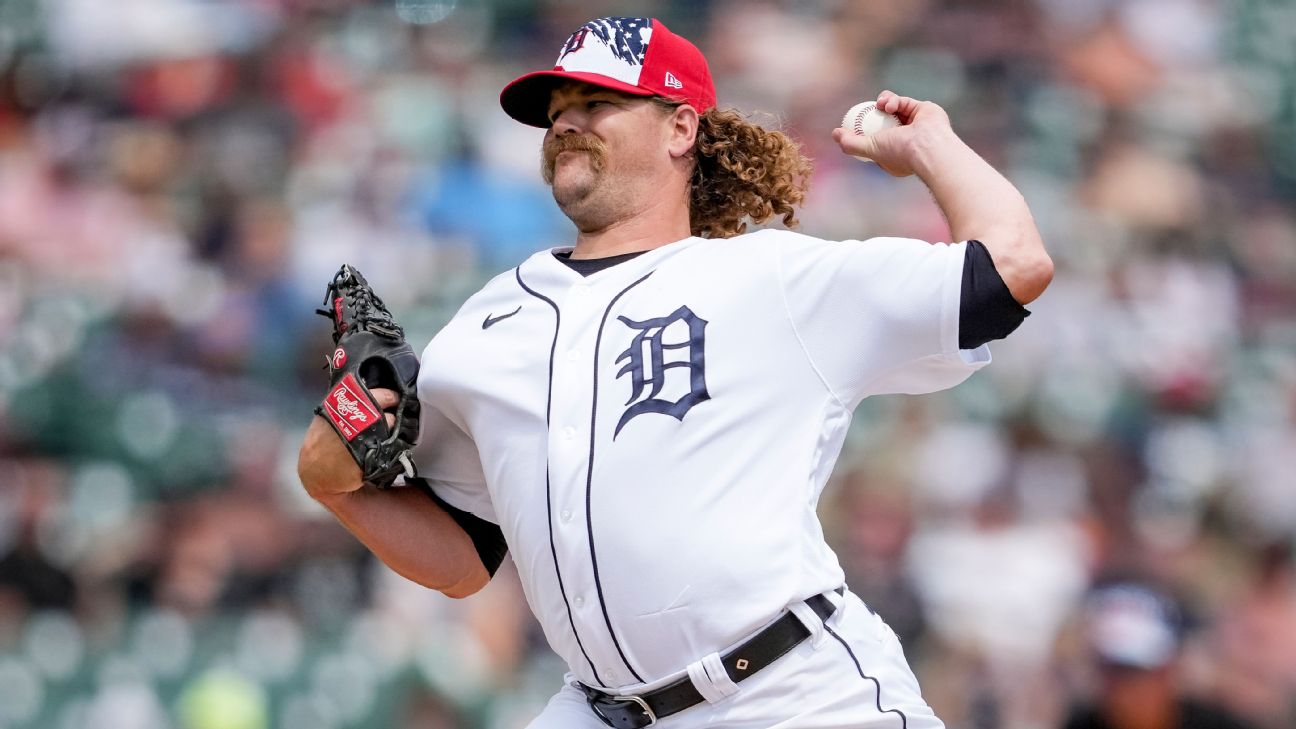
(371, 351)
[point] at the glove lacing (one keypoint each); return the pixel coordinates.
(368, 311)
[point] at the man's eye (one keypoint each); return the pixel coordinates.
(594, 104)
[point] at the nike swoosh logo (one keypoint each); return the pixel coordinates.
(492, 320)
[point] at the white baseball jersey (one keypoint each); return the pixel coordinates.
(652, 439)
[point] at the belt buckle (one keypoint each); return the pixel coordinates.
(597, 702)
(648, 712)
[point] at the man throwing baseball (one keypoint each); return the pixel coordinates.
(645, 419)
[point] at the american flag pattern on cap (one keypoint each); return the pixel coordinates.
(639, 56)
(610, 46)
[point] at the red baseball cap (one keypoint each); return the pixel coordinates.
(636, 56)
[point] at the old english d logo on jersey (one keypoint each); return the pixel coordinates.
(349, 409)
(645, 362)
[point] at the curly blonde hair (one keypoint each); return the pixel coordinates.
(743, 171)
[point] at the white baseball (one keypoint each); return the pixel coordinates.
(865, 118)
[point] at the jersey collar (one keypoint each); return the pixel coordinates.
(545, 273)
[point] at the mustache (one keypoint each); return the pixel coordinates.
(555, 146)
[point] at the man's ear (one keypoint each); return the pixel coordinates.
(683, 131)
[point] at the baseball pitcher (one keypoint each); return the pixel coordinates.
(645, 419)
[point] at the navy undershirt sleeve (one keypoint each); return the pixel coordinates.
(987, 309)
(487, 538)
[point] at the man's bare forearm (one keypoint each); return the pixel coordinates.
(413, 536)
(981, 204)
(407, 530)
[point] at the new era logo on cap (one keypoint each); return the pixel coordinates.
(630, 55)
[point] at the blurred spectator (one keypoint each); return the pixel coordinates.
(28, 579)
(876, 522)
(1256, 640)
(1135, 635)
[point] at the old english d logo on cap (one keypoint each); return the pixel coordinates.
(638, 56)
(612, 47)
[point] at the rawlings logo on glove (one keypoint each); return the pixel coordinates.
(349, 408)
(345, 405)
(371, 352)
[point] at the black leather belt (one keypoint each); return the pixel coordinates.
(759, 651)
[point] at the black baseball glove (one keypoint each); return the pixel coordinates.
(371, 351)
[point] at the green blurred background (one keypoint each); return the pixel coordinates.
(179, 178)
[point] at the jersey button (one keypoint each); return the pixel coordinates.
(566, 515)
(573, 355)
(569, 432)
(579, 601)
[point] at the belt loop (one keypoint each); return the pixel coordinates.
(838, 599)
(810, 619)
(710, 678)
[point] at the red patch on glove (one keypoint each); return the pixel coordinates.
(349, 409)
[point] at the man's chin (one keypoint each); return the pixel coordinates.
(569, 189)
(569, 198)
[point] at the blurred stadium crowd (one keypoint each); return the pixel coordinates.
(179, 179)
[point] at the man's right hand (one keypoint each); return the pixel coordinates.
(924, 135)
(324, 464)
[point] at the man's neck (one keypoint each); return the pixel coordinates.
(652, 228)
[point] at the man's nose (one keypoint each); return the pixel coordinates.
(568, 121)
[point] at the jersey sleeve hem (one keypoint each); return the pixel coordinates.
(951, 296)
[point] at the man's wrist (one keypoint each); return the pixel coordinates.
(939, 154)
